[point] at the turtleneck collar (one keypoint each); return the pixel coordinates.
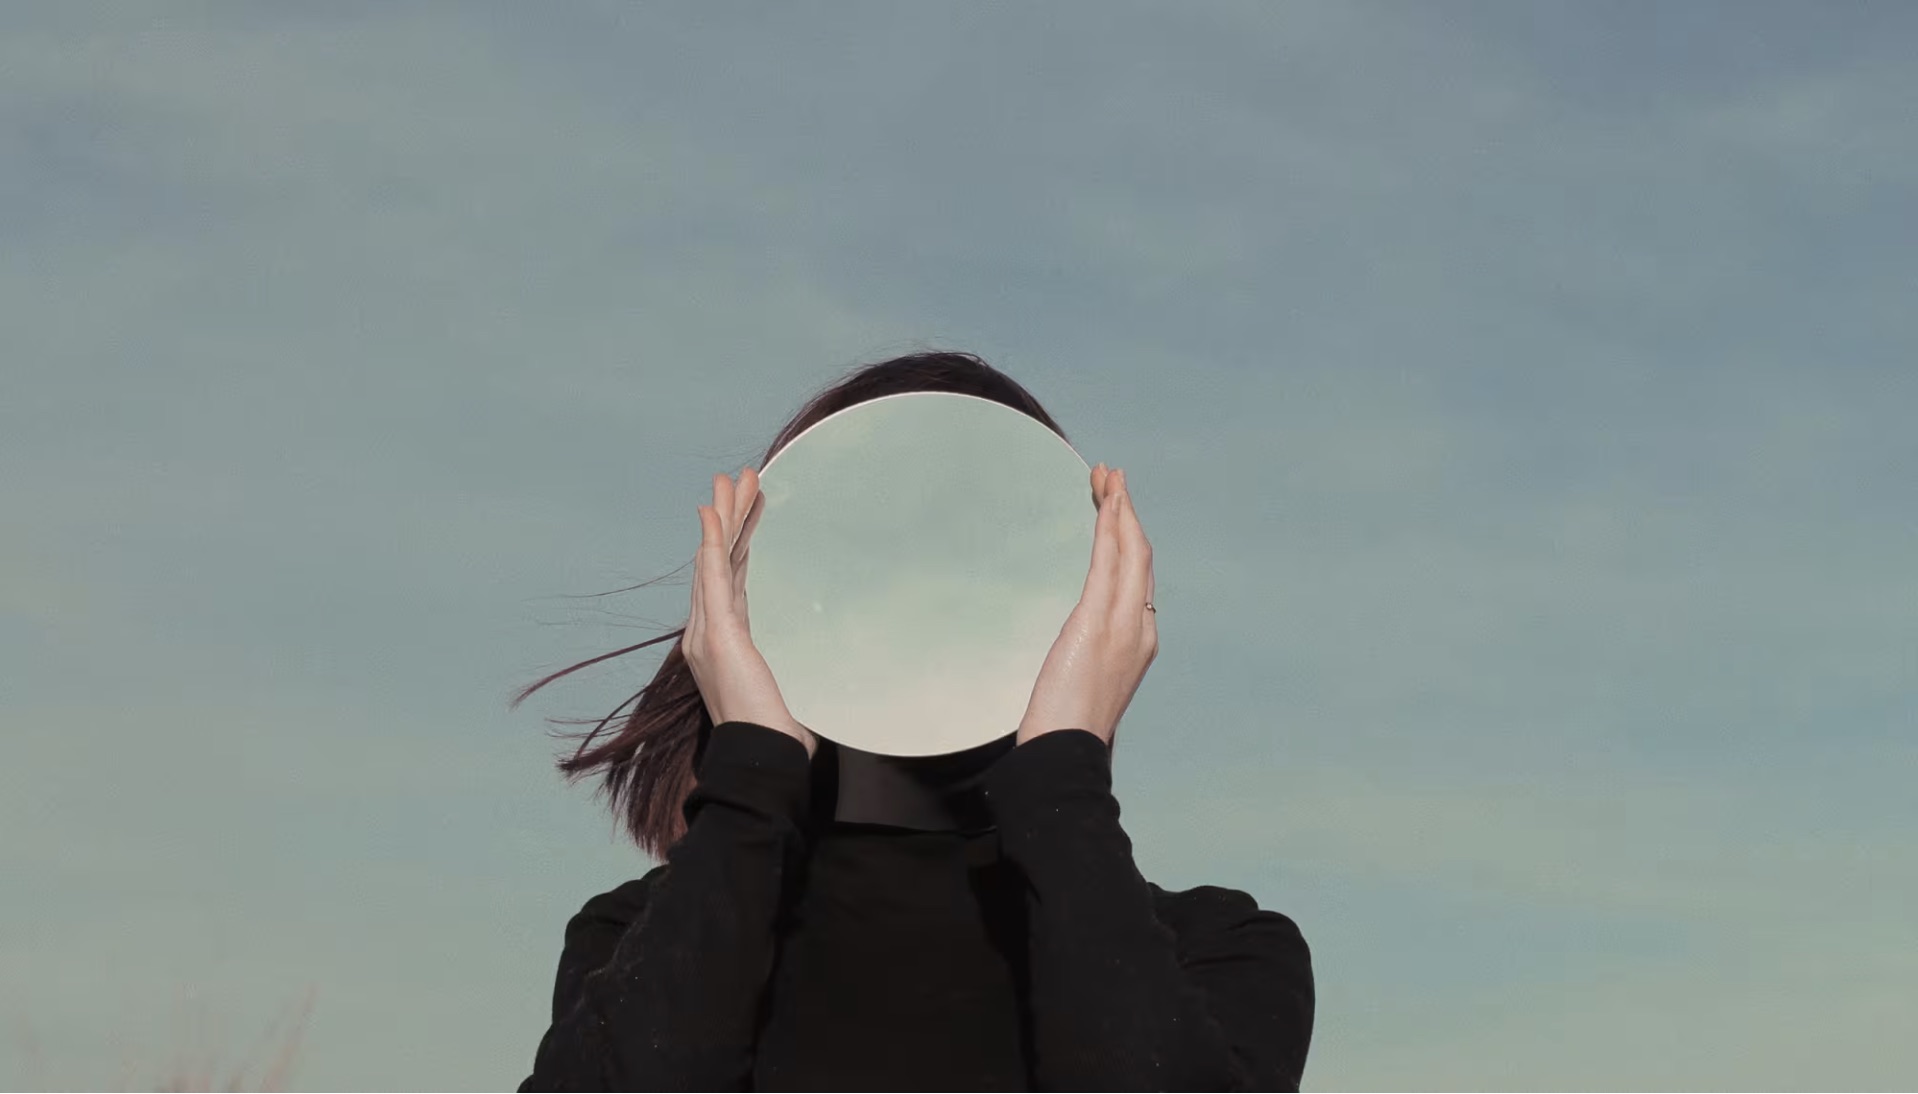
(922, 793)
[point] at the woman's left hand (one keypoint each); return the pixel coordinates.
(1110, 639)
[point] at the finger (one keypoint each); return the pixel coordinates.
(1151, 586)
(695, 617)
(715, 569)
(1102, 573)
(1151, 617)
(742, 551)
(1100, 475)
(750, 507)
(723, 508)
(745, 493)
(1135, 553)
(1120, 581)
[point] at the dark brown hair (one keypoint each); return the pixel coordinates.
(647, 763)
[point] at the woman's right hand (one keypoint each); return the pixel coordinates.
(734, 680)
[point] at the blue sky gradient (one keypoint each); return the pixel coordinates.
(1519, 398)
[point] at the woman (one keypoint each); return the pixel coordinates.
(828, 919)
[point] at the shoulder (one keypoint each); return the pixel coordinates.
(614, 909)
(1256, 972)
(1208, 913)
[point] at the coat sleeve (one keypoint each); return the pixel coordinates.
(1119, 999)
(660, 981)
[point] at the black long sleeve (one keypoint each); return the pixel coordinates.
(1031, 957)
(674, 1005)
(1119, 1001)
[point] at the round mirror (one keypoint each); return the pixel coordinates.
(916, 558)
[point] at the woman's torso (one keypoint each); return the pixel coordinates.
(901, 965)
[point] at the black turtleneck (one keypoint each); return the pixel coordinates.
(783, 946)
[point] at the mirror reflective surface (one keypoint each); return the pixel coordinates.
(915, 560)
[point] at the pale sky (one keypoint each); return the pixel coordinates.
(1519, 398)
